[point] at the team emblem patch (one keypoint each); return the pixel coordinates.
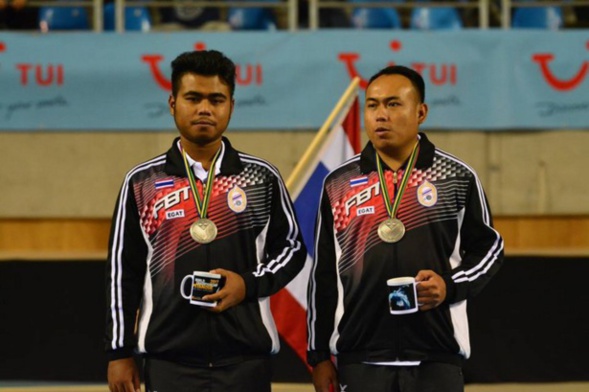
(427, 194)
(236, 199)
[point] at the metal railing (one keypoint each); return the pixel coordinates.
(96, 5)
(315, 5)
(289, 5)
(291, 8)
(508, 5)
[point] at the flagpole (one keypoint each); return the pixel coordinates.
(296, 174)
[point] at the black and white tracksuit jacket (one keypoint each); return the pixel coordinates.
(448, 230)
(151, 251)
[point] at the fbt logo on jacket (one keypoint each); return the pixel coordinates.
(361, 198)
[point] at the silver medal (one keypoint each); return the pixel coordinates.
(203, 231)
(391, 230)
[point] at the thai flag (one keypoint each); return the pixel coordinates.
(358, 181)
(289, 305)
(167, 183)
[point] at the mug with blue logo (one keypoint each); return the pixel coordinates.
(402, 295)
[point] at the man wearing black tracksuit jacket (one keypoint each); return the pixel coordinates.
(447, 243)
(248, 235)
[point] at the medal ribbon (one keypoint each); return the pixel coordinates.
(201, 206)
(392, 210)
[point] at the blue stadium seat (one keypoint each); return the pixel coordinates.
(375, 18)
(549, 18)
(435, 18)
(136, 18)
(63, 18)
(251, 18)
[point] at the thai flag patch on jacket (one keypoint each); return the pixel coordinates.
(358, 181)
(167, 183)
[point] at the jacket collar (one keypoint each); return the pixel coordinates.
(231, 163)
(424, 160)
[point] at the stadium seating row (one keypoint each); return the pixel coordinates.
(138, 18)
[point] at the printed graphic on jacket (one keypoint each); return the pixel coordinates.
(237, 203)
(432, 195)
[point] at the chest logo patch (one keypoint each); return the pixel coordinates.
(174, 214)
(427, 194)
(236, 199)
(365, 211)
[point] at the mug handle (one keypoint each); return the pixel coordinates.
(182, 286)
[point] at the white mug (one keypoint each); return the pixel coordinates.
(402, 295)
(202, 283)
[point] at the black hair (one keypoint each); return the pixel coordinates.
(203, 62)
(413, 76)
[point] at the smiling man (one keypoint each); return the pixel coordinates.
(201, 216)
(401, 208)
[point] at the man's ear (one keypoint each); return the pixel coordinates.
(172, 104)
(422, 113)
(232, 107)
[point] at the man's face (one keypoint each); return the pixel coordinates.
(202, 108)
(392, 113)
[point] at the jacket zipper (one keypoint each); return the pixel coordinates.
(208, 317)
(395, 319)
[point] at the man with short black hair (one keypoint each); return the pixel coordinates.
(401, 209)
(202, 210)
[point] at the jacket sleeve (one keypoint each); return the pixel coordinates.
(125, 274)
(481, 248)
(285, 252)
(322, 292)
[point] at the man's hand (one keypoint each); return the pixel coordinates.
(431, 290)
(232, 292)
(123, 376)
(325, 377)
